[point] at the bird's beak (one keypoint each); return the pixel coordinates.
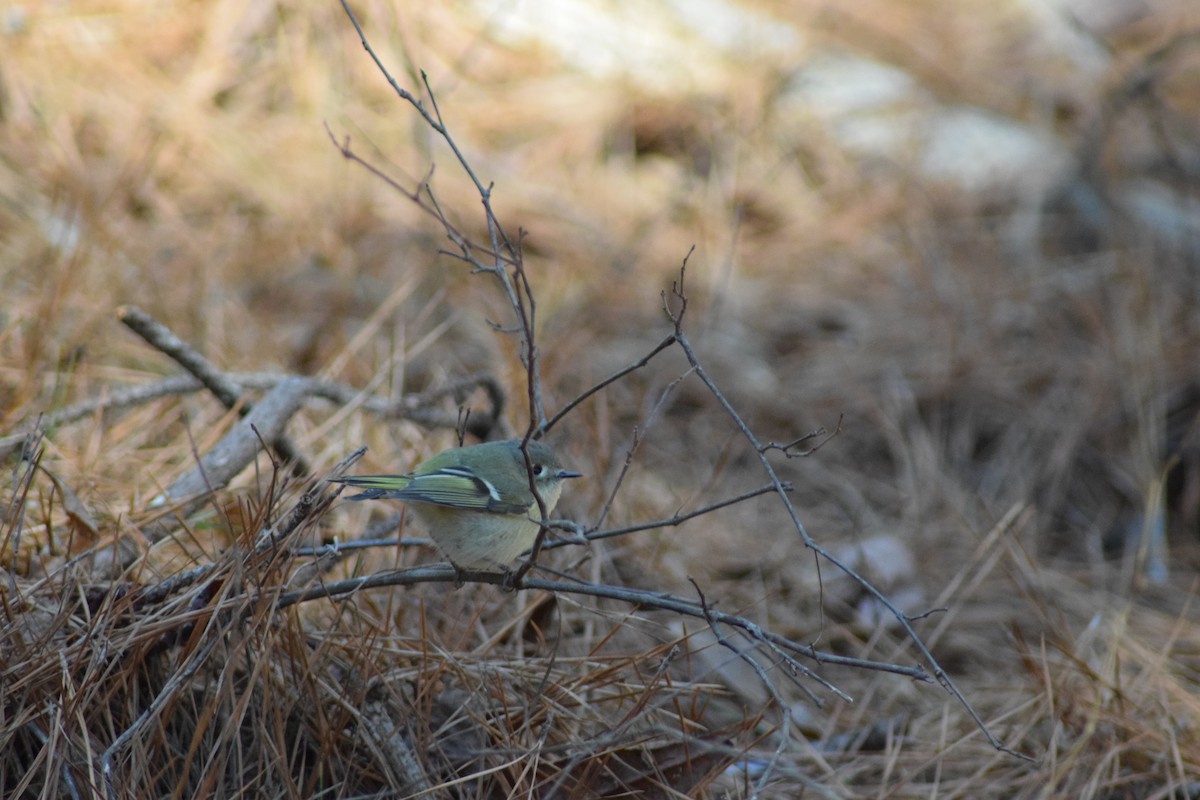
(563, 474)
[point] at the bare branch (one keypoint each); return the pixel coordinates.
(419, 407)
(445, 573)
(820, 433)
(506, 263)
(680, 299)
(668, 522)
(226, 391)
(616, 376)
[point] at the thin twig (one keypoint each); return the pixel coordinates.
(504, 252)
(785, 716)
(635, 445)
(676, 318)
(445, 573)
(23, 472)
(823, 435)
(505, 255)
(668, 522)
(227, 392)
(616, 376)
(231, 454)
(237, 448)
(179, 678)
(418, 407)
(165, 341)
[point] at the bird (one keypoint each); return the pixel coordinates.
(475, 501)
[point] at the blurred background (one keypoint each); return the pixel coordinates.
(969, 233)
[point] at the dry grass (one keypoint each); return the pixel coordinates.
(1018, 381)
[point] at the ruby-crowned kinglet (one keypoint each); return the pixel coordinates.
(475, 501)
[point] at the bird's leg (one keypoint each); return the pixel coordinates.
(512, 580)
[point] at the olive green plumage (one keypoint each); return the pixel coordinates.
(475, 501)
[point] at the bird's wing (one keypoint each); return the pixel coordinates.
(452, 487)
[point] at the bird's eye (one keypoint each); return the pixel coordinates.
(538, 469)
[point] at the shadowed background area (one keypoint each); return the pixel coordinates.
(966, 237)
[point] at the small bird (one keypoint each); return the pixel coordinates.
(475, 501)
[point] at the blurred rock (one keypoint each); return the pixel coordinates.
(880, 112)
(889, 565)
